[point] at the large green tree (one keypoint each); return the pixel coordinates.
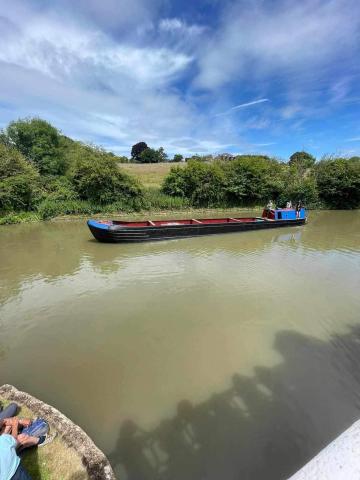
(39, 142)
(18, 180)
(137, 150)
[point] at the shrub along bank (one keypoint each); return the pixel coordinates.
(253, 180)
(44, 174)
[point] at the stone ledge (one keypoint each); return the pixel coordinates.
(93, 459)
(340, 460)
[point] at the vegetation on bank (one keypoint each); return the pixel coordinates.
(44, 174)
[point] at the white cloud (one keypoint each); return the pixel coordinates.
(283, 38)
(178, 26)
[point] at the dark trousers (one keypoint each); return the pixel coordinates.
(9, 411)
(21, 474)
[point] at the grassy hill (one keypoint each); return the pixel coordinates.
(149, 174)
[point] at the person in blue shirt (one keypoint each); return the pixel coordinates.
(10, 467)
(11, 442)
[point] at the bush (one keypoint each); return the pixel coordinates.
(39, 142)
(58, 188)
(52, 208)
(18, 181)
(302, 161)
(177, 158)
(97, 178)
(253, 179)
(338, 181)
(155, 199)
(201, 183)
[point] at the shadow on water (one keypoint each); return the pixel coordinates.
(261, 427)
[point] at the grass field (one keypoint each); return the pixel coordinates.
(149, 174)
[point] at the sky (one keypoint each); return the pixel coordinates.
(196, 77)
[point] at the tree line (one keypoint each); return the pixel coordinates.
(333, 182)
(45, 173)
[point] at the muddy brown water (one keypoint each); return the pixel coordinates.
(224, 357)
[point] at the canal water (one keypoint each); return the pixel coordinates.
(227, 357)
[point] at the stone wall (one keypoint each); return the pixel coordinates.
(93, 459)
(340, 460)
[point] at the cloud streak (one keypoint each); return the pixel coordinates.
(242, 105)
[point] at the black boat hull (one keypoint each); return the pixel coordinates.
(116, 234)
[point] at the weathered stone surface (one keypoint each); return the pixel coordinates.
(93, 459)
(338, 461)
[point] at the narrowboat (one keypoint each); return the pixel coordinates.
(114, 231)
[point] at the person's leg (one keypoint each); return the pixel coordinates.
(21, 474)
(9, 411)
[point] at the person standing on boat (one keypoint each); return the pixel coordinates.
(289, 204)
(298, 209)
(270, 205)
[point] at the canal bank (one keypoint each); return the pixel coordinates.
(77, 454)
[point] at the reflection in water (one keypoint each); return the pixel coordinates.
(52, 250)
(178, 348)
(312, 395)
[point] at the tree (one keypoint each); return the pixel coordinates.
(18, 180)
(97, 178)
(162, 155)
(302, 161)
(137, 150)
(39, 142)
(150, 155)
(338, 181)
(177, 158)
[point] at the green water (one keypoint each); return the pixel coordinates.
(224, 357)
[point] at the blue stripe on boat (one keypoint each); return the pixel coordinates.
(94, 223)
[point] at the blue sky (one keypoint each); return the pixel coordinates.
(256, 76)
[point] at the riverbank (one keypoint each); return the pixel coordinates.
(71, 455)
(31, 217)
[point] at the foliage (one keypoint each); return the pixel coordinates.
(338, 181)
(97, 178)
(155, 199)
(177, 158)
(58, 188)
(39, 142)
(18, 181)
(162, 155)
(252, 179)
(121, 158)
(19, 217)
(297, 189)
(137, 149)
(150, 155)
(202, 183)
(302, 161)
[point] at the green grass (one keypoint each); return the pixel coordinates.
(150, 174)
(54, 461)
